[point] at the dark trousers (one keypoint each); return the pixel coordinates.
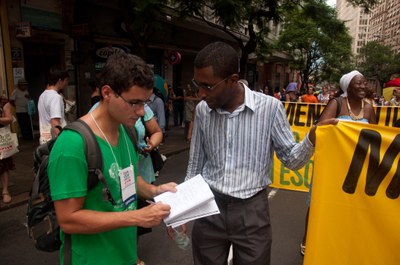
(178, 113)
(186, 130)
(24, 123)
(244, 224)
(166, 118)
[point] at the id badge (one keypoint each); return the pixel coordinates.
(128, 185)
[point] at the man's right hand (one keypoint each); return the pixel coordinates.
(153, 214)
(311, 135)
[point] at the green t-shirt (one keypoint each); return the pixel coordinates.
(68, 175)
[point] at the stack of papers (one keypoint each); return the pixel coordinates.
(193, 199)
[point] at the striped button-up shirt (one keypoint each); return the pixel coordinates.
(234, 151)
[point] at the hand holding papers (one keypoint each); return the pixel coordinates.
(193, 199)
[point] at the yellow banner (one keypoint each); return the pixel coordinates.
(355, 209)
(301, 117)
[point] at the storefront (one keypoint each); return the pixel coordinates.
(37, 42)
(80, 35)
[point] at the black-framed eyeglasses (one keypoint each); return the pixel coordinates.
(134, 103)
(207, 87)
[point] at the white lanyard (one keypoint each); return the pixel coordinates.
(105, 137)
(126, 175)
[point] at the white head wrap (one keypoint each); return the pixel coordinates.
(346, 79)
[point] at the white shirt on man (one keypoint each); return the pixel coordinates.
(50, 106)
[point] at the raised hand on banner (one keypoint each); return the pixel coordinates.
(311, 134)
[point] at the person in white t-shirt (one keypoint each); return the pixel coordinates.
(19, 99)
(51, 105)
(323, 97)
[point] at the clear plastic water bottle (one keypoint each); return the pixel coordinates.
(181, 239)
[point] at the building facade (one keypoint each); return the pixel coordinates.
(356, 21)
(384, 24)
(80, 35)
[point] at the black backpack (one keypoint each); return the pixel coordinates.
(42, 222)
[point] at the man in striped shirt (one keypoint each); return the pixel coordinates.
(235, 133)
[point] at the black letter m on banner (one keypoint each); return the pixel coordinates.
(376, 172)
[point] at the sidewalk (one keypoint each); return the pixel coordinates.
(21, 179)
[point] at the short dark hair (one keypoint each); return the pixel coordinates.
(221, 56)
(55, 73)
(123, 70)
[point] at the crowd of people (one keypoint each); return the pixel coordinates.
(323, 94)
(212, 108)
(292, 93)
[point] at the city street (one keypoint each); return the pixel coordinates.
(224, 72)
(288, 210)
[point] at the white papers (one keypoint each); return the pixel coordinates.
(193, 199)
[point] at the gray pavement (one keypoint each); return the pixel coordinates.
(20, 180)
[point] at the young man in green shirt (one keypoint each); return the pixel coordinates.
(102, 232)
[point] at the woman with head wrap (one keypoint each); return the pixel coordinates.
(349, 106)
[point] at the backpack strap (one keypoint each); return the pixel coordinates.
(41, 156)
(132, 133)
(67, 249)
(91, 148)
(93, 157)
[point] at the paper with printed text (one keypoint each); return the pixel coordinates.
(193, 200)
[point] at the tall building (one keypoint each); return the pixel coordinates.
(356, 21)
(384, 24)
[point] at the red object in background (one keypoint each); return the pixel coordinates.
(174, 57)
(393, 83)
